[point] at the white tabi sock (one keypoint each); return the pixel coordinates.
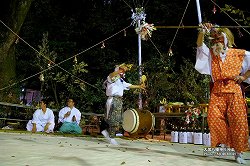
(106, 135)
(113, 142)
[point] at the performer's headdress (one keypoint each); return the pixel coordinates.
(217, 32)
(228, 35)
(123, 66)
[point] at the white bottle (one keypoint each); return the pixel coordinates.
(198, 137)
(183, 137)
(174, 135)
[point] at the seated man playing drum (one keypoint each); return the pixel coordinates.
(115, 86)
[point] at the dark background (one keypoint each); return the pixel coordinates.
(74, 26)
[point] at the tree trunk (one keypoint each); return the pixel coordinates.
(14, 20)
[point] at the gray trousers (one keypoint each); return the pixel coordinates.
(114, 115)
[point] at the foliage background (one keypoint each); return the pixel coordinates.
(73, 27)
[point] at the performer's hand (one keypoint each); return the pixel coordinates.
(207, 26)
(67, 114)
(143, 86)
(74, 118)
(239, 79)
(33, 129)
(46, 127)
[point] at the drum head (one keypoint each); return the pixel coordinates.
(130, 121)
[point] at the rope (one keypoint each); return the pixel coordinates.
(127, 4)
(44, 57)
(95, 45)
(142, 2)
(135, 4)
(243, 27)
(156, 47)
(179, 25)
(56, 65)
(146, 3)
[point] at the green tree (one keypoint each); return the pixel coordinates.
(16, 11)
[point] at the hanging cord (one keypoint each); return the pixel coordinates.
(179, 25)
(54, 64)
(94, 45)
(156, 47)
(230, 17)
(127, 4)
(135, 3)
(235, 22)
(142, 2)
(133, 22)
(146, 3)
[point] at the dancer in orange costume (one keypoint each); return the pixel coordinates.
(228, 67)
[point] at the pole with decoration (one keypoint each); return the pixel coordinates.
(198, 11)
(144, 31)
(200, 21)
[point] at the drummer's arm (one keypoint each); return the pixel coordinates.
(142, 86)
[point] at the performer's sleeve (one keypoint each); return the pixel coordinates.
(109, 80)
(51, 117)
(78, 116)
(126, 85)
(61, 115)
(35, 118)
(202, 64)
(246, 65)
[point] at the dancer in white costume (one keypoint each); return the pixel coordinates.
(115, 86)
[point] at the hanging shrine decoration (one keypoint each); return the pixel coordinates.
(41, 77)
(144, 29)
(214, 9)
(75, 60)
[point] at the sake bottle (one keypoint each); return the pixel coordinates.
(183, 135)
(190, 135)
(206, 137)
(198, 136)
(174, 134)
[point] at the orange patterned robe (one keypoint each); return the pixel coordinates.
(227, 115)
